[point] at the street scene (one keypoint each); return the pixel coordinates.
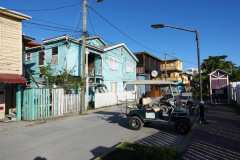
(113, 80)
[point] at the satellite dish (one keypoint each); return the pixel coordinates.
(154, 73)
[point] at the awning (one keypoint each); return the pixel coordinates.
(12, 79)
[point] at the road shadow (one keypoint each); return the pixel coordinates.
(218, 139)
(101, 151)
(39, 158)
(113, 117)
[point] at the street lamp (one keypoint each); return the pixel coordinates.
(156, 26)
(85, 7)
(165, 75)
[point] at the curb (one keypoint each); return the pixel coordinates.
(188, 137)
(110, 150)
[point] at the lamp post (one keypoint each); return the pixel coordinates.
(85, 7)
(156, 26)
(165, 75)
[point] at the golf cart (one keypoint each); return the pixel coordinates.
(172, 99)
(145, 113)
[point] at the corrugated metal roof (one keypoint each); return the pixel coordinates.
(12, 79)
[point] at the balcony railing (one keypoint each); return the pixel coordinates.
(96, 71)
(171, 68)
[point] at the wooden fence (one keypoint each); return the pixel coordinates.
(45, 103)
(111, 98)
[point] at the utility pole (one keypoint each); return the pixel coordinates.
(85, 7)
(82, 110)
(165, 66)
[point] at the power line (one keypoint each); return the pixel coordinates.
(91, 23)
(79, 17)
(47, 9)
(124, 33)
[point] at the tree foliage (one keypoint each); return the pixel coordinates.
(61, 78)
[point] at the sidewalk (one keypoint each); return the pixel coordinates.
(219, 139)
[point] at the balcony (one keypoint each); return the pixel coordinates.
(172, 68)
(174, 78)
(95, 71)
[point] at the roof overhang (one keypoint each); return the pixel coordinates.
(14, 14)
(119, 45)
(12, 79)
(218, 70)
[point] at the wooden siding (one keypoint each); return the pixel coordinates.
(121, 74)
(10, 45)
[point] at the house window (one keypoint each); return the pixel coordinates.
(113, 63)
(113, 86)
(41, 58)
(168, 75)
(28, 56)
(129, 66)
(171, 64)
(54, 55)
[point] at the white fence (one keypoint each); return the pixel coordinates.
(65, 103)
(238, 93)
(235, 91)
(111, 98)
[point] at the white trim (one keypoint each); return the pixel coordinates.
(24, 16)
(218, 70)
(119, 45)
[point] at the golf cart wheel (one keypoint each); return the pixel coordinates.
(182, 126)
(135, 123)
(165, 108)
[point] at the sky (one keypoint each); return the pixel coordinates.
(129, 21)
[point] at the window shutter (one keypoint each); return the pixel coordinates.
(129, 66)
(110, 62)
(41, 58)
(54, 55)
(115, 64)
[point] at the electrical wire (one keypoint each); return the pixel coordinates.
(48, 9)
(91, 23)
(124, 33)
(78, 19)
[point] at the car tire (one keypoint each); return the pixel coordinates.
(182, 126)
(135, 123)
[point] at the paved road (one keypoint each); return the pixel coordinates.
(79, 137)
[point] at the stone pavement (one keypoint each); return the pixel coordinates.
(218, 139)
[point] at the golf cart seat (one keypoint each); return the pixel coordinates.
(132, 106)
(147, 101)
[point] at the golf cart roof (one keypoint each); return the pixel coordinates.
(151, 82)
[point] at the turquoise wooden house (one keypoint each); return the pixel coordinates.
(108, 67)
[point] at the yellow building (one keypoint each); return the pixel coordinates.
(173, 67)
(11, 61)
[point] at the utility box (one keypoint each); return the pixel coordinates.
(2, 100)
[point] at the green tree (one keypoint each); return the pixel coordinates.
(62, 78)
